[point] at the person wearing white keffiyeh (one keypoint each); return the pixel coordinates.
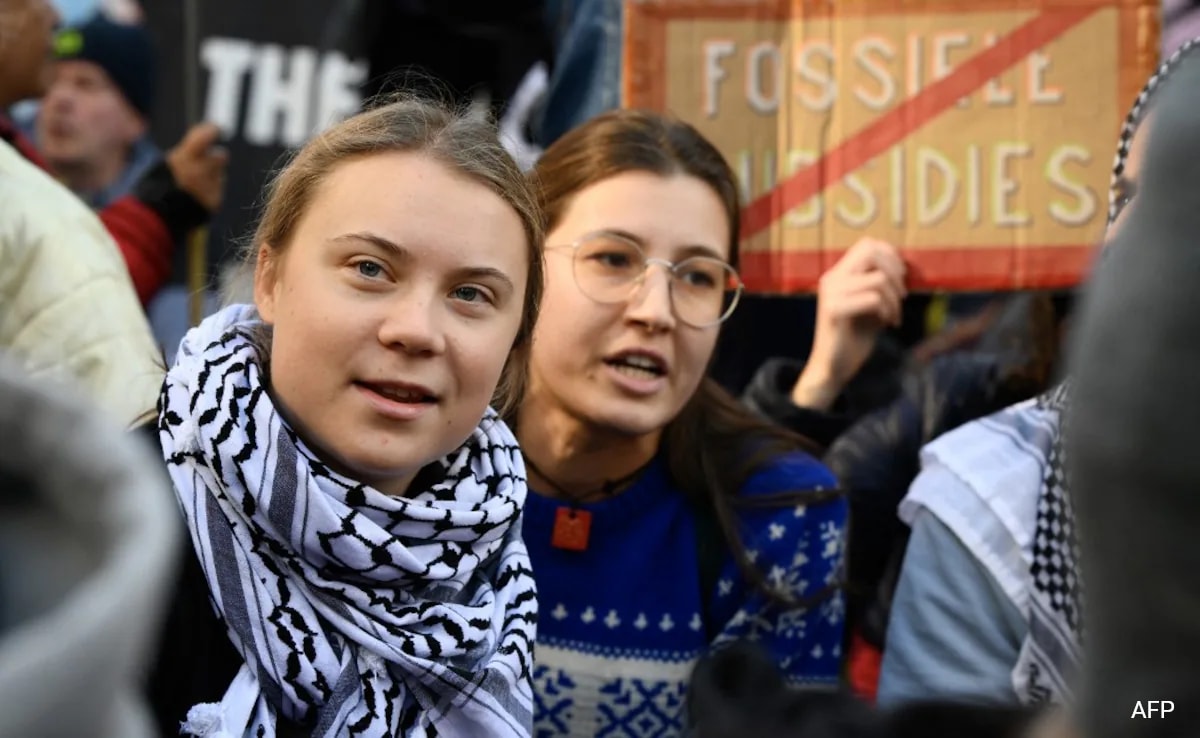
(988, 604)
(353, 503)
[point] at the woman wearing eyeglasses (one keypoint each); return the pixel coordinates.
(664, 518)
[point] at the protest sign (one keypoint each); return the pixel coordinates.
(977, 136)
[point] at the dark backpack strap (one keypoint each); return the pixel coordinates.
(710, 554)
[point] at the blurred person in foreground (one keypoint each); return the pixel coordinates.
(67, 306)
(83, 577)
(1132, 443)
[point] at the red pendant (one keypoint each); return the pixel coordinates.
(571, 529)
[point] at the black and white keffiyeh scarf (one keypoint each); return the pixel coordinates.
(1047, 663)
(356, 613)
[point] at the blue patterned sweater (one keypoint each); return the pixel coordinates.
(620, 625)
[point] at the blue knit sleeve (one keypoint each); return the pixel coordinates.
(799, 549)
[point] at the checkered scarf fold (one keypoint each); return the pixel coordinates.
(1048, 660)
(356, 613)
(1046, 667)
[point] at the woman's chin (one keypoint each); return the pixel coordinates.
(380, 468)
(632, 422)
(390, 481)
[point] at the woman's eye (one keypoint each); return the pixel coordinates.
(470, 294)
(698, 279)
(369, 269)
(613, 260)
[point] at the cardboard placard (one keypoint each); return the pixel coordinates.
(977, 136)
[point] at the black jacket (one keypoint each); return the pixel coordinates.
(876, 385)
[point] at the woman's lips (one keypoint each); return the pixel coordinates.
(398, 402)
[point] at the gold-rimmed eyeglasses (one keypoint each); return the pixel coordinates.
(609, 267)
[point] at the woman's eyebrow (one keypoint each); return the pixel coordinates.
(375, 240)
(682, 251)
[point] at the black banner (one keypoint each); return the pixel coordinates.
(269, 73)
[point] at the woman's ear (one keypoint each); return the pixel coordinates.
(266, 278)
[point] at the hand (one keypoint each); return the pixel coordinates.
(857, 298)
(198, 165)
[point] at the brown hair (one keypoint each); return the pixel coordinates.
(463, 140)
(714, 445)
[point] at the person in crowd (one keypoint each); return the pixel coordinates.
(857, 298)
(101, 86)
(664, 517)
(92, 127)
(872, 410)
(352, 500)
(88, 537)
(987, 606)
(69, 310)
